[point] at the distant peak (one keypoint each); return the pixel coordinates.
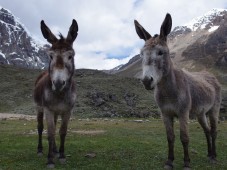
(202, 21)
(18, 47)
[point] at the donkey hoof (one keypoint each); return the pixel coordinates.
(50, 166)
(168, 167)
(186, 168)
(212, 160)
(62, 160)
(40, 154)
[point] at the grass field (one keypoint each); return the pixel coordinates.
(113, 143)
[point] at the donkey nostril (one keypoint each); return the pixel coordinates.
(151, 79)
(58, 84)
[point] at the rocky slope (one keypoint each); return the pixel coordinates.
(17, 47)
(206, 39)
(98, 94)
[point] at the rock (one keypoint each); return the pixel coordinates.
(193, 151)
(90, 155)
(100, 98)
(130, 99)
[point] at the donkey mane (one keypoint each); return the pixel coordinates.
(62, 38)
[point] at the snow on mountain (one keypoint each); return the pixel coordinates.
(209, 21)
(117, 68)
(213, 28)
(17, 46)
(202, 21)
(3, 55)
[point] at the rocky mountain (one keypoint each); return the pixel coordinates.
(205, 40)
(199, 44)
(17, 47)
(113, 70)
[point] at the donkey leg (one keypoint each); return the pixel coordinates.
(213, 116)
(202, 119)
(55, 150)
(51, 137)
(63, 132)
(168, 122)
(185, 140)
(40, 131)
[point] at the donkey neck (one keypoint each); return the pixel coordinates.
(168, 83)
(167, 91)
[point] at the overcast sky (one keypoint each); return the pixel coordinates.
(106, 36)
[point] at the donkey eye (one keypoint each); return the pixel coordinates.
(160, 53)
(70, 57)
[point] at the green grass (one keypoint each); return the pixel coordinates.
(125, 144)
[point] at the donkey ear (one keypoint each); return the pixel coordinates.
(47, 33)
(72, 34)
(166, 27)
(142, 33)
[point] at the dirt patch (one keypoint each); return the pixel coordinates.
(12, 116)
(88, 132)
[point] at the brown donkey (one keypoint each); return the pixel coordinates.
(54, 92)
(179, 93)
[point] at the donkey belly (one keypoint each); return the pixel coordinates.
(202, 101)
(201, 107)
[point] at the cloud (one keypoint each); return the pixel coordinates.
(106, 30)
(94, 61)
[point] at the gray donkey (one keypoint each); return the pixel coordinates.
(54, 92)
(179, 93)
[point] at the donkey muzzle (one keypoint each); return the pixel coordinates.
(58, 85)
(147, 83)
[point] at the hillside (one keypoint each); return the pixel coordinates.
(99, 94)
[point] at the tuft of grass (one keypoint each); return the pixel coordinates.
(124, 144)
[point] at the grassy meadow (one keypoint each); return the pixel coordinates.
(115, 143)
(100, 144)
